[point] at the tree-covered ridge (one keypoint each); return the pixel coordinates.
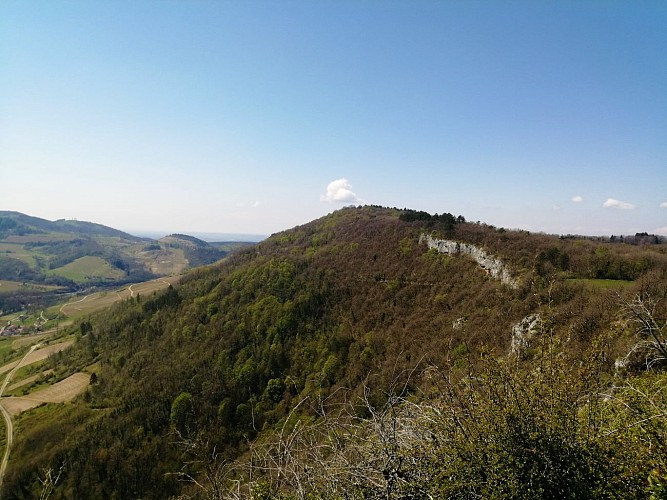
(16, 223)
(333, 315)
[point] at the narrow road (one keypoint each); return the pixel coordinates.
(72, 303)
(8, 419)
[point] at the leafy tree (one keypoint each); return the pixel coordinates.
(182, 413)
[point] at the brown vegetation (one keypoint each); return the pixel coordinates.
(332, 311)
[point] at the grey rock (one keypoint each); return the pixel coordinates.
(493, 265)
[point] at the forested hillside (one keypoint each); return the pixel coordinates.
(343, 358)
(42, 261)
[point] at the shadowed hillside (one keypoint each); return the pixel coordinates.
(351, 312)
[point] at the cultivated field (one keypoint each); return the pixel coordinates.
(80, 306)
(37, 355)
(45, 352)
(9, 286)
(164, 261)
(60, 392)
(28, 380)
(88, 268)
(26, 340)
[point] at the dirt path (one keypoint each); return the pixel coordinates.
(33, 357)
(72, 303)
(8, 418)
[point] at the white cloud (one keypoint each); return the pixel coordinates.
(577, 199)
(340, 191)
(663, 204)
(621, 205)
(661, 230)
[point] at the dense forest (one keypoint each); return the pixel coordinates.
(343, 359)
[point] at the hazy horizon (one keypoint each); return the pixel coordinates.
(208, 237)
(254, 117)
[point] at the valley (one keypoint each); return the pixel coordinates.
(356, 250)
(355, 343)
(44, 262)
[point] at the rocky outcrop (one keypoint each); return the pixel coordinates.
(523, 332)
(493, 265)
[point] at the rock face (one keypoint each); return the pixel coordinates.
(493, 265)
(523, 332)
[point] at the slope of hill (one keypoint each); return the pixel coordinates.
(75, 255)
(17, 224)
(351, 317)
(197, 252)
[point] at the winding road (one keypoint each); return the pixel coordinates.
(72, 303)
(8, 419)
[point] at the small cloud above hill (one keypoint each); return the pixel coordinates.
(340, 191)
(620, 205)
(663, 204)
(577, 199)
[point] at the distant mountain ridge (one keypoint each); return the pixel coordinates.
(75, 255)
(17, 223)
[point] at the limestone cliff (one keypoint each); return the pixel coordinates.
(493, 265)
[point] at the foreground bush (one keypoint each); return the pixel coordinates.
(552, 430)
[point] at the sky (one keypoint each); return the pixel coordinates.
(254, 117)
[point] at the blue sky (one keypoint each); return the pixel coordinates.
(254, 117)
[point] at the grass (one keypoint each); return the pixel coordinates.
(13, 286)
(25, 372)
(33, 338)
(3, 437)
(9, 286)
(33, 238)
(164, 261)
(18, 251)
(603, 284)
(6, 350)
(82, 306)
(18, 387)
(88, 268)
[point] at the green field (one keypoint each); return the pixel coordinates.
(9, 286)
(88, 268)
(13, 286)
(6, 351)
(18, 251)
(602, 284)
(81, 306)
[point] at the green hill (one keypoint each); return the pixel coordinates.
(346, 358)
(71, 255)
(17, 224)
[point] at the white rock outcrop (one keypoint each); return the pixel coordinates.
(523, 332)
(493, 265)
